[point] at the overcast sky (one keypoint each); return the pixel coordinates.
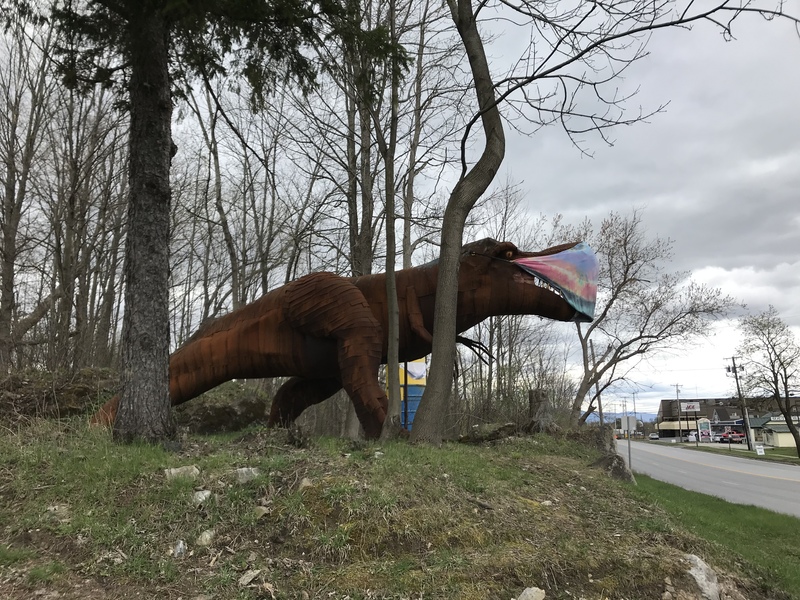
(718, 172)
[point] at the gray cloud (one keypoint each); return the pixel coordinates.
(718, 171)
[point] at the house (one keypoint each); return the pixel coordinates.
(776, 432)
(757, 426)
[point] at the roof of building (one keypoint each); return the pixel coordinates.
(778, 428)
(760, 421)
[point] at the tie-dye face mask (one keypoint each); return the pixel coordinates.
(573, 272)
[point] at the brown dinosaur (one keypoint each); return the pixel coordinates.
(328, 332)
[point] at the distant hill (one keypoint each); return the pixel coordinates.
(608, 416)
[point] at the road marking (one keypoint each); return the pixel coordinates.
(725, 468)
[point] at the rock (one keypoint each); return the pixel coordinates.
(59, 512)
(200, 497)
(115, 556)
(705, 577)
(615, 467)
(248, 577)
(261, 511)
(532, 593)
(245, 474)
(189, 471)
(728, 591)
(546, 503)
(205, 538)
(305, 483)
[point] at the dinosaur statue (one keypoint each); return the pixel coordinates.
(326, 332)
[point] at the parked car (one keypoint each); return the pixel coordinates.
(717, 437)
(731, 437)
(653, 436)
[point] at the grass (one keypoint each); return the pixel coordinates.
(46, 573)
(10, 556)
(781, 455)
(766, 539)
(339, 519)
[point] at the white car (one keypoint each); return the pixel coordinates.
(653, 436)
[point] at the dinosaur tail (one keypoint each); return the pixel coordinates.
(106, 415)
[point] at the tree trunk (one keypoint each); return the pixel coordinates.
(391, 425)
(786, 410)
(429, 423)
(145, 411)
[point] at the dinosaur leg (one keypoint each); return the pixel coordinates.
(330, 307)
(360, 381)
(298, 394)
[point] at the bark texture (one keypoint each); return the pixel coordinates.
(144, 406)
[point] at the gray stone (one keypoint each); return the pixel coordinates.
(206, 538)
(705, 577)
(200, 497)
(59, 512)
(249, 577)
(532, 593)
(245, 474)
(615, 466)
(189, 471)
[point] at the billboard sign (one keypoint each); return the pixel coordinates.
(690, 407)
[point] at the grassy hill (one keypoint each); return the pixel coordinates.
(83, 517)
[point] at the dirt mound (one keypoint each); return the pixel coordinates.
(28, 394)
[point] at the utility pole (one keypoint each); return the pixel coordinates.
(628, 428)
(678, 404)
(746, 417)
(596, 384)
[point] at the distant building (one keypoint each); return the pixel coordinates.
(776, 432)
(725, 414)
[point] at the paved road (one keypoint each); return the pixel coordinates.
(737, 479)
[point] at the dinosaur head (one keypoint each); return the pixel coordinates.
(558, 283)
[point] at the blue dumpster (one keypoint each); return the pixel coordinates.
(410, 404)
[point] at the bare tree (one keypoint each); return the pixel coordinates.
(80, 198)
(429, 420)
(529, 356)
(573, 49)
(771, 357)
(26, 89)
(642, 309)
(207, 116)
